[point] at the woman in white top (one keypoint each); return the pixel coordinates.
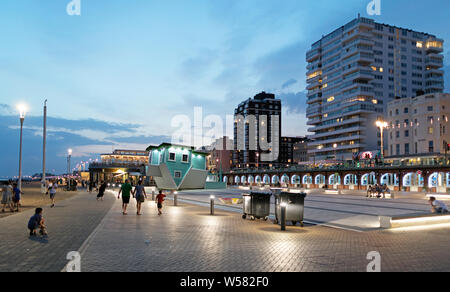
(7, 197)
(52, 191)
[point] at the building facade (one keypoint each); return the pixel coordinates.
(353, 73)
(252, 118)
(418, 127)
(288, 150)
(177, 167)
(118, 166)
(221, 155)
(300, 152)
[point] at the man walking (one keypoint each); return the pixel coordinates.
(125, 190)
(52, 191)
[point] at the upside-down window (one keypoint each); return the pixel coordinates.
(172, 156)
(185, 158)
(177, 174)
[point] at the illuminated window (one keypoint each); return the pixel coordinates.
(381, 69)
(325, 85)
(374, 101)
(374, 68)
(419, 44)
(330, 99)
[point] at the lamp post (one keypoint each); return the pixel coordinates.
(335, 152)
(69, 156)
(22, 111)
(44, 145)
(212, 204)
(382, 125)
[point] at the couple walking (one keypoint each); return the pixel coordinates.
(138, 193)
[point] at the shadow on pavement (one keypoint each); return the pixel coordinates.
(39, 239)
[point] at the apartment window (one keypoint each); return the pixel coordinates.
(407, 133)
(416, 150)
(185, 158)
(172, 156)
(177, 174)
(430, 108)
(397, 134)
(430, 130)
(397, 112)
(431, 146)
(406, 148)
(406, 110)
(397, 149)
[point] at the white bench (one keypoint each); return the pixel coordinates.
(387, 222)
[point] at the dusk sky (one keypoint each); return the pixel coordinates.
(115, 76)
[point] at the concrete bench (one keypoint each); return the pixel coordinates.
(412, 220)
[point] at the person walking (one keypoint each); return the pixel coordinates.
(7, 199)
(125, 190)
(140, 195)
(17, 197)
(101, 191)
(52, 191)
(159, 201)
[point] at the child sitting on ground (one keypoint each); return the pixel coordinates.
(37, 222)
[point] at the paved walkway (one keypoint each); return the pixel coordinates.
(187, 239)
(69, 224)
(343, 211)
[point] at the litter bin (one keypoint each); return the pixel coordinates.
(256, 206)
(295, 207)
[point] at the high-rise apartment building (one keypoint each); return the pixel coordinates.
(354, 72)
(249, 128)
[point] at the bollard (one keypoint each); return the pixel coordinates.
(153, 195)
(283, 216)
(212, 204)
(175, 199)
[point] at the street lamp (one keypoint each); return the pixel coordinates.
(382, 125)
(22, 111)
(335, 152)
(69, 155)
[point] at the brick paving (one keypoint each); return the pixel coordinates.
(69, 224)
(187, 239)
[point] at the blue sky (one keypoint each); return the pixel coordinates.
(116, 75)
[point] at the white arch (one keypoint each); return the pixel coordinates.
(285, 179)
(307, 179)
(225, 179)
(266, 179)
(251, 179)
(350, 179)
(295, 179)
(407, 180)
(319, 179)
(368, 178)
(334, 179)
(275, 179)
(433, 180)
(243, 179)
(258, 179)
(384, 180)
(237, 180)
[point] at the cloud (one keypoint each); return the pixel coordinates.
(294, 102)
(289, 83)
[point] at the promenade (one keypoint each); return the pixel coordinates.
(187, 239)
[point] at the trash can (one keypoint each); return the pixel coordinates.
(256, 206)
(295, 207)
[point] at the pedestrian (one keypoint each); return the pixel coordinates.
(101, 191)
(125, 190)
(37, 222)
(140, 195)
(7, 197)
(17, 197)
(52, 191)
(159, 201)
(438, 207)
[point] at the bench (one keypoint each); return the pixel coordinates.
(413, 220)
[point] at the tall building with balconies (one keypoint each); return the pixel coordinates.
(354, 72)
